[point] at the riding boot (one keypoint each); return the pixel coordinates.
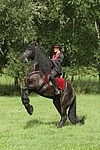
(57, 92)
(53, 80)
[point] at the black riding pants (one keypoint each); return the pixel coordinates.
(52, 78)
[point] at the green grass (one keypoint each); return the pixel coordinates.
(20, 131)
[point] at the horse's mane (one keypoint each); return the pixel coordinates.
(43, 61)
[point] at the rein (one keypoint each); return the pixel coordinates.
(33, 72)
(42, 89)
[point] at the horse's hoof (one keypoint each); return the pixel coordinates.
(59, 125)
(82, 120)
(30, 109)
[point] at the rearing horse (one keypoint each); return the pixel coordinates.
(37, 81)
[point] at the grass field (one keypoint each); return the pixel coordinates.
(19, 131)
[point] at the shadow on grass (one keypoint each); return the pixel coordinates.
(9, 90)
(36, 122)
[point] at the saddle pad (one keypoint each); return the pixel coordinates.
(60, 83)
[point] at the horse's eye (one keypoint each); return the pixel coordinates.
(29, 48)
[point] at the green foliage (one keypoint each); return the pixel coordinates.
(16, 27)
(80, 71)
(15, 68)
(73, 24)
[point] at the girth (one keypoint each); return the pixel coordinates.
(42, 89)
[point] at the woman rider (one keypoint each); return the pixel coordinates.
(56, 66)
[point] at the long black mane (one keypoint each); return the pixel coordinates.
(43, 61)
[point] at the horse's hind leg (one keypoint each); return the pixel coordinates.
(63, 117)
(25, 100)
(62, 112)
(56, 103)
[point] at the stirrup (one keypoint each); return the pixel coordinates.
(57, 92)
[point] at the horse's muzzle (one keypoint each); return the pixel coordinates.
(24, 59)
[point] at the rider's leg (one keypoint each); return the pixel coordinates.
(53, 80)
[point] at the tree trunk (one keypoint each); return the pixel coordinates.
(99, 77)
(16, 83)
(72, 79)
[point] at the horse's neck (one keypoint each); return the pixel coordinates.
(34, 78)
(34, 66)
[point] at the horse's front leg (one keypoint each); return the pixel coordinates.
(26, 101)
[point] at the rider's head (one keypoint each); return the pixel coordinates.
(57, 48)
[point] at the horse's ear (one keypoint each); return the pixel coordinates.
(37, 42)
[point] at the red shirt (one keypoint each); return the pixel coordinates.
(55, 56)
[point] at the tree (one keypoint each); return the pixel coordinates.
(73, 23)
(15, 32)
(16, 27)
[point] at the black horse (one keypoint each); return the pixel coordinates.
(37, 81)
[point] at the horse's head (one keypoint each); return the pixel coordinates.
(34, 53)
(29, 53)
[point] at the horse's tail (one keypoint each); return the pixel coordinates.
(72, 113)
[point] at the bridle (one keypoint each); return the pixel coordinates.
(29, 53)
(26, 55)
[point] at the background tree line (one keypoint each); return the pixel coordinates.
(75, 24)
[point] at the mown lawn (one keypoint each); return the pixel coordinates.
(19, 131)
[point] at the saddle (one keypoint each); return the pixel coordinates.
(60, 82)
